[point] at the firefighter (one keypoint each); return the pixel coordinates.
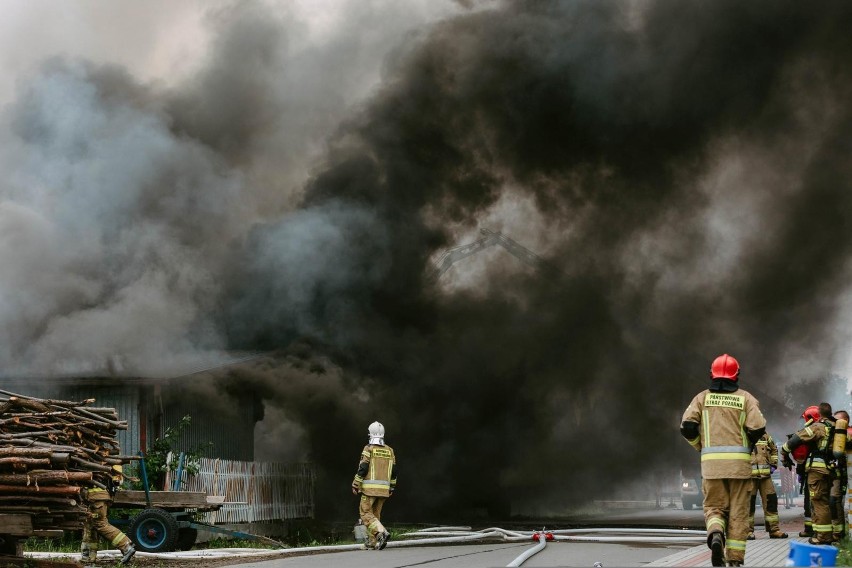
(97, 502)
(764, 460)
(840, 480)
(723, 423)
(375, 481)
(817, 435)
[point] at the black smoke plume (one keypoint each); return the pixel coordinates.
(685, 169)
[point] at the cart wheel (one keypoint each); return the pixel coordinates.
(186, 538)
(154, 530)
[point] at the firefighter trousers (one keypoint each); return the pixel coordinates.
(819, 487)
(96, 524)
(838, 511)
(370, 510)
(726, 504)
(766, 488)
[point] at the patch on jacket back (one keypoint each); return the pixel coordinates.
(726, 400)
(381, 453)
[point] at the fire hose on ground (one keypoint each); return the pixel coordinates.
(438, 535)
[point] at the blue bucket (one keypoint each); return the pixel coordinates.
(804, 554)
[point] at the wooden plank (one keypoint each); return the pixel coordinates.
(15, 524)
(49, 533)
(164, 499)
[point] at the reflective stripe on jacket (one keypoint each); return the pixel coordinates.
(379, 479)
(723, 419)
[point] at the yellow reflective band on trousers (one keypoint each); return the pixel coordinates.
(735, 544)
(118, 538)
(770, 518)
(822, 528)
(716, 521)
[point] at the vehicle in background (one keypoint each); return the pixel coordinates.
(690, 493)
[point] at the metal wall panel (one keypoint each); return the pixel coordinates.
(231, 432)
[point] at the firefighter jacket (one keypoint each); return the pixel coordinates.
(764, 457)
(817, 436)
(376, 476)
(723, 426)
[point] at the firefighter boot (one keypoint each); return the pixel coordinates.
(716, 542)
(750, 536)
(777, 534)
(807, 532)
(127, 553)
(87, 553)
(382, 540)
(735, 563)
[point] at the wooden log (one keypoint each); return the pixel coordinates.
(90, 465)
(37, 490)
(25, 462)
(6, 436)
(56, 500)
(25, 452)
(46, 477)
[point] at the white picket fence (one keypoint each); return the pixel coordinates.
(253, 491)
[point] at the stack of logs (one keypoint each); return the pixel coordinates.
(51, 450)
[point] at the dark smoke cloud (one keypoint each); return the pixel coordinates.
(684, 162)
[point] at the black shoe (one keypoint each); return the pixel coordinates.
(778, 534)
(382, 540)
(128, 554)
(806, 533)
(717, 549)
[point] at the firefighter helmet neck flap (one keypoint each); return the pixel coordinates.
(377, 433)
(724, 373)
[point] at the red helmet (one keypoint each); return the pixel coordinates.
(800, 454)
(811, 413)
(725, 367)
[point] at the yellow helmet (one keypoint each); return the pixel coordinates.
(118, 468)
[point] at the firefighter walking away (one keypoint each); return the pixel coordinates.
(724, 422)
(375, 481)
(96, 524)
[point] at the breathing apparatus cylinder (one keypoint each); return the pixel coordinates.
(838, 445)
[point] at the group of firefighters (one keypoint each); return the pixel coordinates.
(738, 458)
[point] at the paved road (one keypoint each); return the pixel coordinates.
(480, 556)
(556, 554)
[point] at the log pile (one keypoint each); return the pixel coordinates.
(50, 451)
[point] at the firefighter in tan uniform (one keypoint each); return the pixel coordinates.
(723, 423)
(375, 481)
(817, 435)
(840, 483)
(764, 460)
(97, 501)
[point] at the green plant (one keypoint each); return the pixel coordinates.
(158, 461)
(844, 554)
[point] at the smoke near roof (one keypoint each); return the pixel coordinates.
(683, 166)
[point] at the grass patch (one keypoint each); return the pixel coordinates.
(844, 553)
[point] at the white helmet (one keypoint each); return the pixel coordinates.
(377, 433)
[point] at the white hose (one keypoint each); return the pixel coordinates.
(542, 542)
(433, 535)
